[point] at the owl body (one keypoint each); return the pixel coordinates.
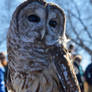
(35, 71)
(37, 60)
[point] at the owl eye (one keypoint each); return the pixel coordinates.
(53, 23)
(34, 18)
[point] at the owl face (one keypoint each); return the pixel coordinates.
(41, 22)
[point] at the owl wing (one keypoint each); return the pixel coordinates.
(65, 71)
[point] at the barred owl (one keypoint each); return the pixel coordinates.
(37, 58)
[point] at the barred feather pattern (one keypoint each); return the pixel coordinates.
(34, 66)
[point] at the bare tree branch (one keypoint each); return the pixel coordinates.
(80, 20)
(81, 42)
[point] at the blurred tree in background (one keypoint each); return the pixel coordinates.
(79, 23)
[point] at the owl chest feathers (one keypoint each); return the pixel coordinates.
(34, 70)
(38, 80)
(33, 56)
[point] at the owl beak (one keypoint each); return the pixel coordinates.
(42, 34)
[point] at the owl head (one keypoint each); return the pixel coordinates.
(38, 21)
